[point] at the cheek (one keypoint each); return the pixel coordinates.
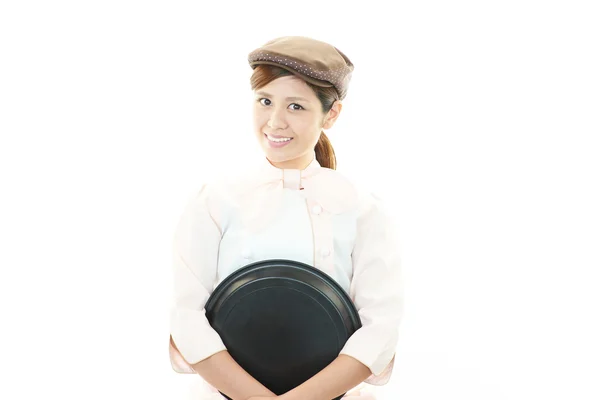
(304, 126)
(259, 118)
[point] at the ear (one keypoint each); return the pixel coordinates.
(332, 115)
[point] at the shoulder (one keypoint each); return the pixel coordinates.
(224, 188)
(213, 188)
(367, 194)
(347, 193)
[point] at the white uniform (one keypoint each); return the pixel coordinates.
(315, 216)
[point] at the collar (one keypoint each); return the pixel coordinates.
(289, 178)
(259, 195)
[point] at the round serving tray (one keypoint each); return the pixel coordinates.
(282, 321)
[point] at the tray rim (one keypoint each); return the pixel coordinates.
(219, 290)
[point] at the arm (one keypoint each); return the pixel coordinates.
(196, 247)
(341, 375)
(222, 372)
(376, 291)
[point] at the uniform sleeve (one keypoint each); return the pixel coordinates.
(377, 292)
(195, 254)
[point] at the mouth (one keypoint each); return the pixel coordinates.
(278, 140)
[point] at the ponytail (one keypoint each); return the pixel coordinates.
(324, 152)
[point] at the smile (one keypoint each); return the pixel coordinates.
(277, 140)
(277, 143)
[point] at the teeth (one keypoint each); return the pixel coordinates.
(272, 139)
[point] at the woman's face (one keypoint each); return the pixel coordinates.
(289, 108)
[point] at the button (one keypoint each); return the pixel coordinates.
(325, 252)
(246, 253)
(317, 209)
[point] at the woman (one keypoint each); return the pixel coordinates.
(293, 205)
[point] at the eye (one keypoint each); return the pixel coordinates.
(297, 109)
(269, 103)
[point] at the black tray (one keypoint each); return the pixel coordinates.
(282, 321)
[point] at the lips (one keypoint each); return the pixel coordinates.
(278, 143)
(278, 136)
(268, 137)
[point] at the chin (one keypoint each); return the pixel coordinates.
(277, 157)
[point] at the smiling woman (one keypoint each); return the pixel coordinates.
(295, 206)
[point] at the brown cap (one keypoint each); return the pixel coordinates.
(312, 60)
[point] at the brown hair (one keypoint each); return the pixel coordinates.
(264, 74)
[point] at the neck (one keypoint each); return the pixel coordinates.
(297, 163)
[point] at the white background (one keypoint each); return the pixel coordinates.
(477, 121)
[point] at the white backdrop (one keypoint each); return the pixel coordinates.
(477, 121)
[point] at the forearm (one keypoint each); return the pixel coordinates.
(225, 374)
(343, 374)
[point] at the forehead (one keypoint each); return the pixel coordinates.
(288, 86)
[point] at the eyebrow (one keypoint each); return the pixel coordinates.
(293, 98)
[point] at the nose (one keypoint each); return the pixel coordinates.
(277, 119)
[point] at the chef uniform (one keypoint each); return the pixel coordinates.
(316, 216)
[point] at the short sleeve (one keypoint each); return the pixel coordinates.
(376, 290)
(195, 254)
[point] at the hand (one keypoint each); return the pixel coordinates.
(263, 397)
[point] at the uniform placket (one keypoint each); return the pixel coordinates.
(246, 250)
(323, 236)
(291, 179)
